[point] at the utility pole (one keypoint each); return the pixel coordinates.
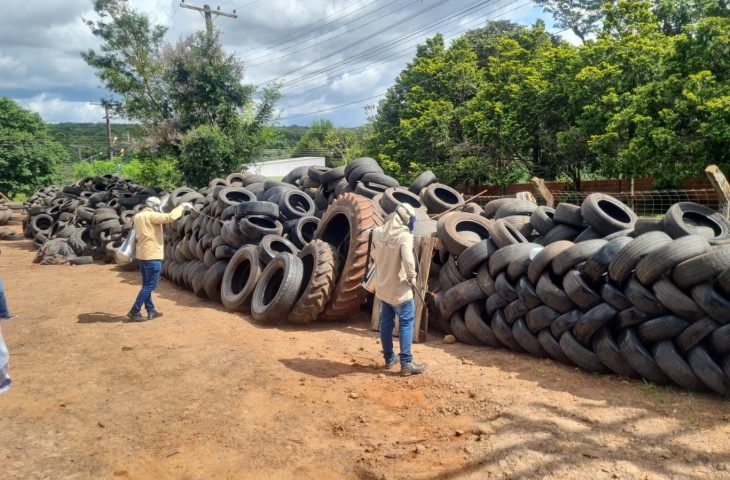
(208, 14)
(107, 117)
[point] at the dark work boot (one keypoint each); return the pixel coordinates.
(408, 369)
(154, 315)
(136, 317)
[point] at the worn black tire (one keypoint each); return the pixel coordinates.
(295, 204)
(544, 258)
(277, 289)
(552, 347)
(663, 260)
(708, 371)
(645, 225)
(552, 294)
(514, 311)
(459, 296)
(526, 293)
(526, 339)
(720, 340)
(459, 330)
(422, 181)
(394, 196)
(485, 280)
(579, 291)
(682, 219)
(474, 321)
(503, 258)
(614, 296)
(609, 354)
(346, 226)
(357, 173)
(565, 322)
(302, 232)
(491, 207)
(569, 214)
(255, 227)
(213, 279)
(459, 231)
(359, 162)
(318, 282)
(240, 279)
(640, 358)
(712, 302)
(272, 245)
(474, 256)
(504, 233)
(676, 368)
(580, 355)
(587, 234)
(643, 298)
(592, 321)
(504, 288)
(258, 208)
(605, 214)
(503, 332)
(702, 268)
(85, 260)
(675, 300)
(695, 333)
(574, 255)
(542, 219)
(597, 265)
(438, 198)
(540, 318)
(515, 207)
(628, 257)
(560, 232)
(661, 328)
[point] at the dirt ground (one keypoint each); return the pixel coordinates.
(206, 394)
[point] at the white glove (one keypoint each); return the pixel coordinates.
(187, 205)
(412, 283)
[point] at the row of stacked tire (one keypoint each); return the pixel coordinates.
(84, 221)
(10, 211)
(592, 286)
(292, 250)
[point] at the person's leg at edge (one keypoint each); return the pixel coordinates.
(154, 280)
(387, 322)
(4, 360)
(405, 313)
(144, 293)
(4, 313)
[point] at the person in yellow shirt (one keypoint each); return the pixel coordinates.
(149, 252)
(395, 277)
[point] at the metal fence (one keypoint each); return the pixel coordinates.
(645, 204)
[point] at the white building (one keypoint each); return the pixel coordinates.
(279, 168)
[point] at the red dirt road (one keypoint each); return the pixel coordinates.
(206, 394)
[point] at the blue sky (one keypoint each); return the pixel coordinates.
(328, 53)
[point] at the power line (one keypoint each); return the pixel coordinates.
(396, 55)
(369, 52)
(283, 40)
(333, 108)
(208, 14)
(299, 43)
(438, 4)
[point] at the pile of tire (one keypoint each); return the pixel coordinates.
(9, 212)
(92, 215)
(592, 286)
(293, 250)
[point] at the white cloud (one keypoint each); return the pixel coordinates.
(54, 109)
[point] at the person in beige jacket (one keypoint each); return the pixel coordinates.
(149, 252)
(395, 277)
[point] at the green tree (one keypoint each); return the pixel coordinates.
(174, 90)
(580, 16)
(29, 157)
(206, 153)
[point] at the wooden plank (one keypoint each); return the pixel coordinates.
(543, 191)
(425, 254)
(720, 184)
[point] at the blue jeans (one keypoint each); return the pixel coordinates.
(150, 279)
(405, 312)
(4, 360)
(4, 313)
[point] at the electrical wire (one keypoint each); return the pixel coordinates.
(396, 55)
(369, 51)
(348, 32)
(283, 40)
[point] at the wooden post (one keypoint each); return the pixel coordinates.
(543, 191)
(721, 186)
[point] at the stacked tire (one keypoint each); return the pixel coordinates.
(598, 294)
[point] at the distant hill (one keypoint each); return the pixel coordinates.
(84, 140)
